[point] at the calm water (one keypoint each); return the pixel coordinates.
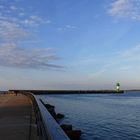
(100, 117)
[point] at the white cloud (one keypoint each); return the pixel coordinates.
(24, 16)
(67, 27)
(15, 28)
(71, 27)
(34, 21)
(13, 7)
(11, 31)
(125, 9)
(12, 55)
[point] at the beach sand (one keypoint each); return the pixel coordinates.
(15, 118)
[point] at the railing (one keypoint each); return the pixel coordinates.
(48, 128)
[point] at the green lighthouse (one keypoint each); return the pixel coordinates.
(118, 87)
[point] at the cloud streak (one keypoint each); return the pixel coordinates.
(123, 61)
(14, 56)
(131, 55)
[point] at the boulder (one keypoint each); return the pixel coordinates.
(52, 112)
(66, 127)
(49, 106)
(74, 134)
(60, 116)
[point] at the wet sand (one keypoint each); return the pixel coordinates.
(15, 118)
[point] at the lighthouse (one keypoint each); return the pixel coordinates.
(118, 87)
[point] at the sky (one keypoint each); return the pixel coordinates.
(69, 44)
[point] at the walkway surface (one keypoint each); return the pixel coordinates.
(15, 117)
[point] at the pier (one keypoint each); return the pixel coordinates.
(16, 118)
(24, 117)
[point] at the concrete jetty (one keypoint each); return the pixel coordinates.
(16, 118)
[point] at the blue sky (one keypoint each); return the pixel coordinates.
(69, 44)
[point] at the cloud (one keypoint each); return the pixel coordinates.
(131, 55)
(35, 21)
(24, 16)
(10, 31)
(16, 27)
(12, 55)
(125, 9)
(71, 27)
(125, 61)
(13, 7)
(67, 27)
(21, 14)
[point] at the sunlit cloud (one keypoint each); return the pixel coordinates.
(125, 9)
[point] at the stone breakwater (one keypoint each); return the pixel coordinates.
(67, 128)
(71, 91)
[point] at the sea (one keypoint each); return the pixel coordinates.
(100, 116)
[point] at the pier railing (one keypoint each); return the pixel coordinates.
(47, 127)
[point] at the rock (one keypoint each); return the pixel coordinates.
(66, 127)
(49, 106)
(59, 116)
(74, 134)
(52, 112)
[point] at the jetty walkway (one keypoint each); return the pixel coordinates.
(17, 118)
